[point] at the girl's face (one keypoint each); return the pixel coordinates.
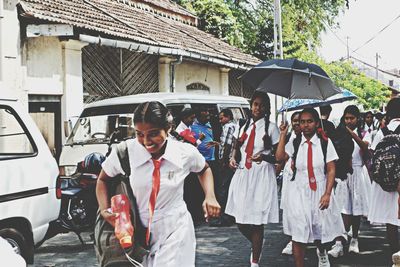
(308, 125)
(350, 120)
(151, 137)
(296, 124)
(369, 119)
(258, 108)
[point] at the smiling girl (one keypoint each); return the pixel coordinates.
(172, 241)
(312, 213)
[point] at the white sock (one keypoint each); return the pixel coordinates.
(339, 243)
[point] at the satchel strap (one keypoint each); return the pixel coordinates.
(123, 156)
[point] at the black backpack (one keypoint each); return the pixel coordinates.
(108, 250)
(344, 146)
(386, 160)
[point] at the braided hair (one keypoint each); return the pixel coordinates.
(266, 101)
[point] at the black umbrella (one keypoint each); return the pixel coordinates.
(291, 78)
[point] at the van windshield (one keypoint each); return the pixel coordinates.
(96, 125)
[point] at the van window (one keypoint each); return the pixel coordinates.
(14, 137)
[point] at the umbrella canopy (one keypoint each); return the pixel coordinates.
(291, 78)
(295, 104)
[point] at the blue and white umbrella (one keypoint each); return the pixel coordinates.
(295, 104)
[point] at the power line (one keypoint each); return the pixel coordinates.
(376, 35)
(381, 70)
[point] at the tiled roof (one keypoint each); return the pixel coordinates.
(124, 21)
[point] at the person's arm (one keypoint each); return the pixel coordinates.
(363, 145)
(211, 207)
(102, 198)
(330, 181)
(281, 155)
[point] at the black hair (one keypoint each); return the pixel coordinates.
(294, 115)
(199, 110)
(187, 112)
(325, 110)
(227, 113)
(393, 109)
(364, 116)
(265, 100)
(353, 110)
(155, 113)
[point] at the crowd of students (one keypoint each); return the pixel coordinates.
(321, 204)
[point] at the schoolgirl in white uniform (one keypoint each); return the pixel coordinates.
(384, 206)
(355, 190)
(312, 213)
(253, 196)
(172, 241)
(287, 176)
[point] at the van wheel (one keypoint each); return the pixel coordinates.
(18, 242)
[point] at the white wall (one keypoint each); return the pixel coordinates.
(192, 72)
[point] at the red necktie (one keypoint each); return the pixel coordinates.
(250, 147)
(153, 196)
(310, 168)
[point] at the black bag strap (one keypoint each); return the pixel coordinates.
(296, 145)
(123, 156)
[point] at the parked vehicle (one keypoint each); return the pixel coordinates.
(29, 197)
(99, 120)
(78, 197)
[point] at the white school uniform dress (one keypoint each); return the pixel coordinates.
(172, 240)
(253, 194)
(286, 177)
(306, 222)
(356, 189)
(383, 205)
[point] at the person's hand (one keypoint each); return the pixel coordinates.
(211, 207)
(233, 164)
(212, 144)
(324, 202)
(284, 127)
(201, 136)
(257, 158)
(109, 216)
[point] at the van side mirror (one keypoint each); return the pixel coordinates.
(67, 128)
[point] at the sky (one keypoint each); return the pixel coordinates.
(362, 21)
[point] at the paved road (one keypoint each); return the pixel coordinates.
(224, 246)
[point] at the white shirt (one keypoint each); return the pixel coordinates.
(182, 127)
(177, 162)
(357, 159)
(393, 124)
(273, 132)
(317, 159)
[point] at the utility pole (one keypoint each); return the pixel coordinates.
(278, 42)
(347, 45)
(377, 66)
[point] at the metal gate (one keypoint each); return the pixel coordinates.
(109, 72)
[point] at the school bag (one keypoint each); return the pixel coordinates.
(386, 160)
(109, 253)
(344, 146)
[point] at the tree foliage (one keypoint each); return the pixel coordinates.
(248, 24)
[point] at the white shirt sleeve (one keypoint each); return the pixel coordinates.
(331, 154)
(274, 133)
(378, 137)
(111, 165)
(196, 160)
(289, 148)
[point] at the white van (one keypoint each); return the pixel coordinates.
(100, 119)
(28, 176)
